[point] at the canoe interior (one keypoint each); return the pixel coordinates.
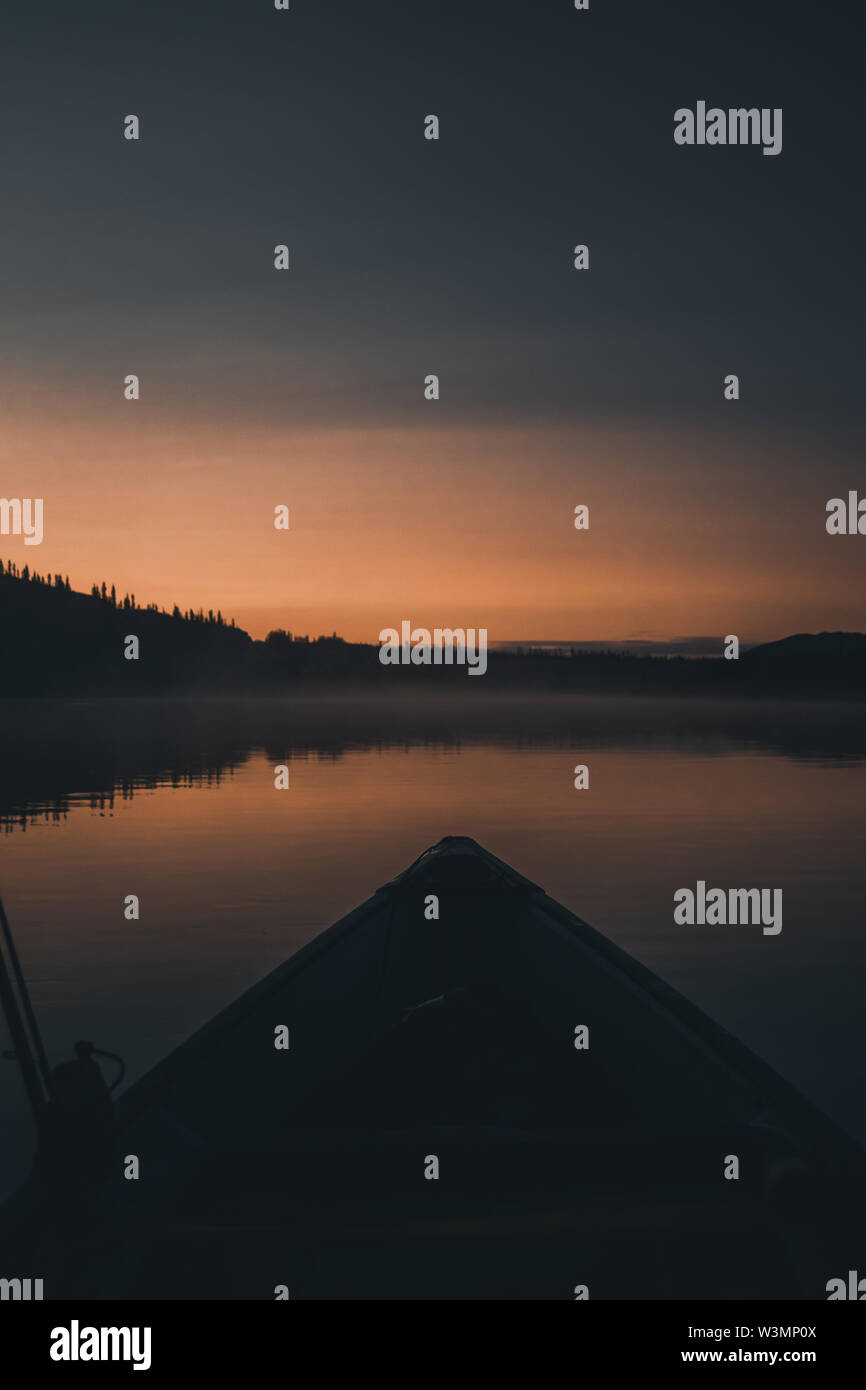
(454, 1038)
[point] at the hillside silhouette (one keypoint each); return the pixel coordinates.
(56, 641)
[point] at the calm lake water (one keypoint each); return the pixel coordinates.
(175, 802)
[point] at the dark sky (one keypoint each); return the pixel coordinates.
(411, 256)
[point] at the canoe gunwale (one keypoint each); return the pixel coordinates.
(713, 1037)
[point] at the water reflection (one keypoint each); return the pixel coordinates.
(56, 754)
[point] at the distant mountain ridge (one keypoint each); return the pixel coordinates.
(56, 641)
(837, 646)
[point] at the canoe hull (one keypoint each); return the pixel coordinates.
(432, 1131)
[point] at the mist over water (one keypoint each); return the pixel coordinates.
(175, 801)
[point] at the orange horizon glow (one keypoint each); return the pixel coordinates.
(444, 526)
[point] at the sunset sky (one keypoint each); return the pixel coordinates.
(412, 257)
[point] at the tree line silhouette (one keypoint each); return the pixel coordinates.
(127, 604)
(57, 641)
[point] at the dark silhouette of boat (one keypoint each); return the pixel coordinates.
(491, 1102)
